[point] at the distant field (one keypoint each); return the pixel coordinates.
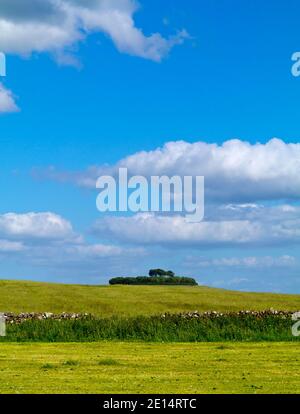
(19, 296)
(116, 367)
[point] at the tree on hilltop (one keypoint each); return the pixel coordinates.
(161, 272)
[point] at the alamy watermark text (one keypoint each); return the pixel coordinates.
(154, 194)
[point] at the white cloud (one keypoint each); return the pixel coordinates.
(35, 226)
(7, 246)
(7, 101)
(276, 213)
(94, 251)
(48, 240)
(235, 171)
(53, 25)
(243, 262)
(269, 226)
(150, 228)
(71, 254)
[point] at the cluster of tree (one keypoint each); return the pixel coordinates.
(161, 272)
(168, 278)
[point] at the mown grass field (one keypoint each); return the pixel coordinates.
(116, 367)
(104, 301)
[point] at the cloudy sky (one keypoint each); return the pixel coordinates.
(162, 88)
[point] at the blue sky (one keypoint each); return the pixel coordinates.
(217, 71)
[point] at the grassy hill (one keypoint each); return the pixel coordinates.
(21, 296)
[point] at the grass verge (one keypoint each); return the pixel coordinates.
(171, 328)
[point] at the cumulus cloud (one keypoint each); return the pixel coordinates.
(251, 193)
(269, 226)
(48, 240)
(35, 226)
(55, 25)
(7, 100)
(235, 171)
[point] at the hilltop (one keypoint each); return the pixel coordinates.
(24, 296)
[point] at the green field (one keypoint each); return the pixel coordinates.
(145, 367)
(116, 367)
(16, 296)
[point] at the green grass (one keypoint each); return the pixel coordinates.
(106, 367)
(17, 296)
(172, 328)
(227, 366)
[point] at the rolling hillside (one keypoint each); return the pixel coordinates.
(21, 296)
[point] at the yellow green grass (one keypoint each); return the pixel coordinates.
(116, 367)
(19, 296)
